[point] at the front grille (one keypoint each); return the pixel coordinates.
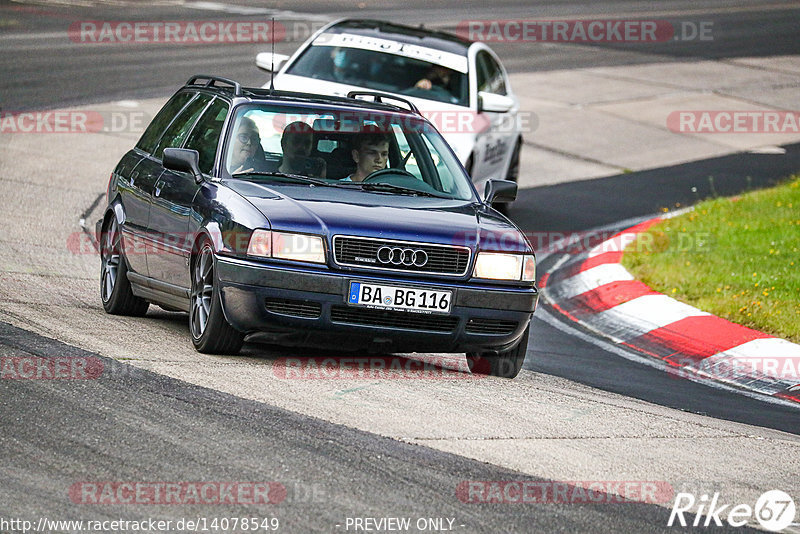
(490, 326)
(393, 319)
(442, 259)
(295, 308)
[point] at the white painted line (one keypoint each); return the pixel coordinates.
(589, 280)
(777, 150)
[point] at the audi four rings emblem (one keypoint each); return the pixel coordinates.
(402, 256)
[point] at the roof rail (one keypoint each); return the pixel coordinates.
(213, 80)
(380, 96)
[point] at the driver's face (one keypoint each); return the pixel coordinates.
(371, 158)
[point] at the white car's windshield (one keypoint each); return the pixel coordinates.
(377, 151)
(383, 72)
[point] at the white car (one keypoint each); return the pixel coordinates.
(459, 85)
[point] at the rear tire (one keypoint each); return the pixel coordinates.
(115, 288)
(503, 364)
(211, 332)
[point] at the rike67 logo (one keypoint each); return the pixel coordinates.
(774, 511)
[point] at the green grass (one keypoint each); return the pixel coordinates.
(738, 258)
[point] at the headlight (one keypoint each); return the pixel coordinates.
(286, 246)
(496, 266)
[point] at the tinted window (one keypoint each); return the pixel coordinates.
(490, 75)
(179, 129)
(382, 72)
(205, 136)
(153, 132)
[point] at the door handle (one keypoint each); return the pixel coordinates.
(159, 185)
(134, 176)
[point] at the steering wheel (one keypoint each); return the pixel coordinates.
(377, 174)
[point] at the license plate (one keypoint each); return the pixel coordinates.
(411, 299)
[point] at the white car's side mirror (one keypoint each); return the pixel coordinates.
(269, 62)
(494, 103)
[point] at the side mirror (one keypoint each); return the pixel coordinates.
(269, 62)
(183, 160)
(494, 103)
(500, 191)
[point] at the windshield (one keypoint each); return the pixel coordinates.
(382, 71)
(390, 153)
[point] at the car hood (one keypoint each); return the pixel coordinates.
(330, 211)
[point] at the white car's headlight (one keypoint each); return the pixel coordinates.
(497, 266)
(286, 246)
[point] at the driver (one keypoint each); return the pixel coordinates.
(437, 76)
(370, 153)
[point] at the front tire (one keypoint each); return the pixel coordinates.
(115, 288)
(211, 332)
(503, 364)
(512, 174)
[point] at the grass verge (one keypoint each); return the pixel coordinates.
(738, 258)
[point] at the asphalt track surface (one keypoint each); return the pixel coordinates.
(137, 425)
(134, 424)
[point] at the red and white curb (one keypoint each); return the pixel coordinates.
(593, 289)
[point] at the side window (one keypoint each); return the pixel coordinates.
(177, 131)
(153, 132)
(205, 136)
(490, 75)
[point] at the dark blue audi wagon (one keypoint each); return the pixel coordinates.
(321, 221)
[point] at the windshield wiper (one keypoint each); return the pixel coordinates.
(391, 188)
(297, 177)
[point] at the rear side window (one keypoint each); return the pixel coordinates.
(205, 136)
(153, 132)
(179, 129)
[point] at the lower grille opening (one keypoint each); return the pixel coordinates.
(414, 321)
(491, 326)
(295, 308)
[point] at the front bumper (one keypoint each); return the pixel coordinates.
(298, 305)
